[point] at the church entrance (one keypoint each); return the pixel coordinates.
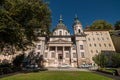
(60, 58)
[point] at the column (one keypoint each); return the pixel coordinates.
(56, 57)
(71, 56)
(48, 56)
(48, 53)
(63, 55)
(78, 52)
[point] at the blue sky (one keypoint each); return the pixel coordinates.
(87, 11)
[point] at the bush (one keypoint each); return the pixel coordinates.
(6, 70)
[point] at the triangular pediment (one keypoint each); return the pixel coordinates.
(60, 40)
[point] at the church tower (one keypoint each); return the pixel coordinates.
(77, 27)
(81, 44)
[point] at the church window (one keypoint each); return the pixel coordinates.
(67, 48)
(52, 48)
(60, 33)
(79, 30)
(52, 55)
(67, 55)
(74, 55)
(46, 55)
(74, 47)
(39, 46)
(82, 55)
(81, 47)
(65, 33)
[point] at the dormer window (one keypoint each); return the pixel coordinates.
(60, 32)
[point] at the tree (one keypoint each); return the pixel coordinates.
(100, 24)
(18, 60)
(116, 60)
(117, 25)
(19, 20)
(101, 59)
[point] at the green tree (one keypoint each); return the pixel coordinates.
(18, 60)
(116, 60)
(117, 25)
(100, 24)
(19, 20)
(101, 59)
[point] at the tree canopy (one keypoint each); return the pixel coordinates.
(100, 59)
(100, 24)
(117, 25)
(19, 20)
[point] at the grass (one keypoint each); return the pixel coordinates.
(57, 75)
(111, 70)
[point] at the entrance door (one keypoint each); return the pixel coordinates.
(60, 58)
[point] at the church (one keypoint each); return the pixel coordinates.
(73, 50)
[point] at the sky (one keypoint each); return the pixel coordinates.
(87, 11)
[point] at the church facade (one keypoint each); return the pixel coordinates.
(74, 50)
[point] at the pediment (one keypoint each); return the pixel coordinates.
(60, 40)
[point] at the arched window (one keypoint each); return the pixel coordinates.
(54, 33)
(79, 30)
(66, 33)
(60, 32)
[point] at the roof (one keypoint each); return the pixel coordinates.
(97, 30)
(61, 25)
(76, 21)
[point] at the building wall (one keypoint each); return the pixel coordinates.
(98, 41)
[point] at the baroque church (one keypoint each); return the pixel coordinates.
(74, 50)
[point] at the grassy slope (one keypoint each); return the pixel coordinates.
(55, 75)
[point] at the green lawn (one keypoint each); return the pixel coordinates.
(57, 75)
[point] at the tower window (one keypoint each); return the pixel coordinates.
(79, 30)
